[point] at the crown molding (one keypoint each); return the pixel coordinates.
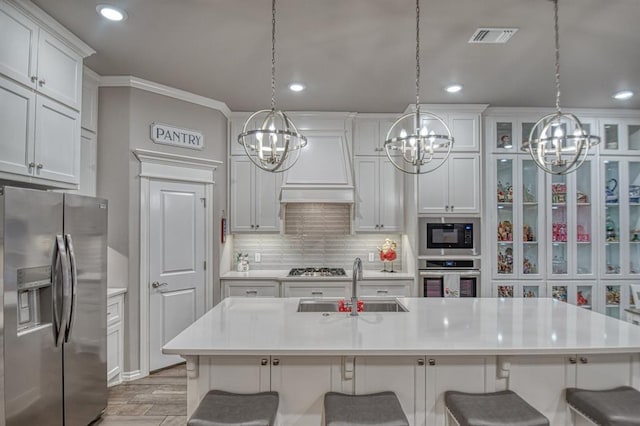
(161, 89)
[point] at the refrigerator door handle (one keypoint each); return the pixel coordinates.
(59, 257)
(74, 287)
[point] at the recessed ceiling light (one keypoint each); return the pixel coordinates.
(296, 87)
(454, 88)
(623, 94)
(111, 13)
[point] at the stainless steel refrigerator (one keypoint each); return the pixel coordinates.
(53, 262)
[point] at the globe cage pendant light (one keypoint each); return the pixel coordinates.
(410, 145)
(558, 143)
(269, 137)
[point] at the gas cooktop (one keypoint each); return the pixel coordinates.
(317, 272)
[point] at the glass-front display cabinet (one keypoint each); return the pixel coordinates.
(620, 224)
(620, 137)
(526, 289)
(580, 293)
(572, 214)
(615, 297)
(517, 219)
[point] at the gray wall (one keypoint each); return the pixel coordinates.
(125, 116)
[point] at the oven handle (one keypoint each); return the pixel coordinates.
(439, 272)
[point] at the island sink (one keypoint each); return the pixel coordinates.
(332, 305)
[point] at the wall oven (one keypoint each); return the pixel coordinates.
(449, 277)
(440, 236)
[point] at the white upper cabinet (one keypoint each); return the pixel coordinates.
(17, 115)
(379, 202)
(369, 135)
(33, 57)
(465, 129)
(452, 188)
(40, 98)
(90, 83)
(255, 197)
(59, 71)
(18, 46)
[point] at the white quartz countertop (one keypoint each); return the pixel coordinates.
(281, 275)
(433, 326)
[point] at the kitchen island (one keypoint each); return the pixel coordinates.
(536, 347)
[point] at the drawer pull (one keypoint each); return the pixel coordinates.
(383, 291)
(317, 293)
(251, 292)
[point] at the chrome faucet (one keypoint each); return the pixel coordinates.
(357, 275)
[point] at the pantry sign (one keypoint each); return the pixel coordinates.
(170, 135)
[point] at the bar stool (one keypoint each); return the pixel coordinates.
(611, 407)
(219, 408)
(381, 409)
(504, 408)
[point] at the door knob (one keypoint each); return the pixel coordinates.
(156, 284)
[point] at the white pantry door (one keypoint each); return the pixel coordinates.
(176, 264)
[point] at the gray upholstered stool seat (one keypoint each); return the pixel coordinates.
(612, 407)
(503, 408)
(219, 408)
(381, 409)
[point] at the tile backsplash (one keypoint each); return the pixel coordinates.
(315, 235)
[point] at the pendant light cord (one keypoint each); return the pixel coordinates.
(418, 57)
(557, 32)
(273, 55)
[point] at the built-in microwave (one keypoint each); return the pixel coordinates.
(449, 236)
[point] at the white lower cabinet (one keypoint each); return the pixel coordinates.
(250, 288)
(301, 400)
(420, 381)
(405, 376)
(115, 339)
(541, 380)
(316, 289)
(385, 288)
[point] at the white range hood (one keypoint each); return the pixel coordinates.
(323, 173)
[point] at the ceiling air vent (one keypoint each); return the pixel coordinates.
(492, 35)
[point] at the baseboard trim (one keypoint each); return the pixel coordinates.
(128, 376)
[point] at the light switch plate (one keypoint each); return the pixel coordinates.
(371, 257)
(257, 257)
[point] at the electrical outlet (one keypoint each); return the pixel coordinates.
(371, 257)
(257, 257)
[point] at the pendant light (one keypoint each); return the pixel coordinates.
(269, 137)
(558, 143)
(418, 142)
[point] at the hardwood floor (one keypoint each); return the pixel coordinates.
(157, 400)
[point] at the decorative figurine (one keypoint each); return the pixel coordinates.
(242, 262)
(388, 253)
(505, 231)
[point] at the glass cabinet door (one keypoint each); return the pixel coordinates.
(505, 220)
(634, 217)
(584, 219)
(612, 300)
(531, 217)
(633, 138)
(611, 136)
(611, 229)
(558, 229)
(504, 135)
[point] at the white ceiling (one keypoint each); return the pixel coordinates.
(359, 55)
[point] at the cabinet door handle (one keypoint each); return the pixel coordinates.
(432, 362)
(377, 226)
(253, 226)
(39, 166)
(421, 362)
(264, 361)
(257, 226)
(42, 82)
(451, 208)
(446, 208)
(381, 226)
(276, 362)
(584, 360)
(573, 360)
(32, 165)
